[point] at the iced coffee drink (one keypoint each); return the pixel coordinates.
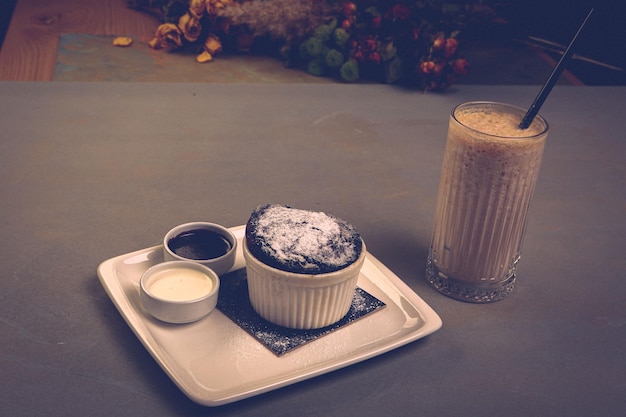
(489, 173)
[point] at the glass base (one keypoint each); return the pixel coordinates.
(468, 292)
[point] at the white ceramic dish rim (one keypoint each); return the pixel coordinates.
(406, 318)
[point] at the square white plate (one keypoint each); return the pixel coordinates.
(214, 362)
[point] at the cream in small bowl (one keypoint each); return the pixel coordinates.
(209, 244)
(179, 291)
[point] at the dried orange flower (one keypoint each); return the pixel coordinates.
(204, 57)
(168, 35)
(213, 44)
(213, 6)
(190, 26)
(197, 8)
(154, 43)
(122, 41)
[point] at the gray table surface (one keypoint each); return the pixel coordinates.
(89, 171)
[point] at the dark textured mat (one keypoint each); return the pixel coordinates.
(234, 303)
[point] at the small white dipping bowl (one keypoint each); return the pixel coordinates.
(207, 235)
(179, 291)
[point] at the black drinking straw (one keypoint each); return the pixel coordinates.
(547, 87)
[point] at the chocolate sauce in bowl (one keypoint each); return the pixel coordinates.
(199, 244)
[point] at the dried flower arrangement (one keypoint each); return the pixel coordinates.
(411, 42)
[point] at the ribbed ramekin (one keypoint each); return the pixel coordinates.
(300, 301)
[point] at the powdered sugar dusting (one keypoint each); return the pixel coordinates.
(303, 237)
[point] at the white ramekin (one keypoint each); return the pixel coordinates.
(300, 301)
(187, 309)
(221, 264)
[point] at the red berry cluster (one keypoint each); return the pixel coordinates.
(441, 67)
(387, 37)
(366, 50)
(365, 46)
(385, 41)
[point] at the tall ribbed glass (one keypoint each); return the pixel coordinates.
(488, 177)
